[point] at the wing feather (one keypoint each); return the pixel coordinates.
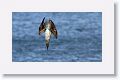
(42, 27)
(53, 29)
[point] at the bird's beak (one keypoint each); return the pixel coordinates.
(47, 44)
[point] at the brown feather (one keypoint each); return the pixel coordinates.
(53, 29)
(42, 27)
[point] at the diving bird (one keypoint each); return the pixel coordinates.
(49, 28)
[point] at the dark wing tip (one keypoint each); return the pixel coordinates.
(56, 37)
(43, 21)
(43, 18)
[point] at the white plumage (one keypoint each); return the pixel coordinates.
(47, 34)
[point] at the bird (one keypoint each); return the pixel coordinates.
(48, 27)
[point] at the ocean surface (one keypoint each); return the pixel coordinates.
(79, 37)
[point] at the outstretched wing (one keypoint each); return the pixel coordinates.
(53, 29)
(41, 27)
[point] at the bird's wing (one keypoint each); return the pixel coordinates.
(53, 29)
(42, 27)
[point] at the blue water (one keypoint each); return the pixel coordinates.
(79, 37)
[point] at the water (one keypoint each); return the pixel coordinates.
(79, 37)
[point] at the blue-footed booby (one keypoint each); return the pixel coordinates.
(49, 28)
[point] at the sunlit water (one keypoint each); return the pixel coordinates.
(79, 37)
